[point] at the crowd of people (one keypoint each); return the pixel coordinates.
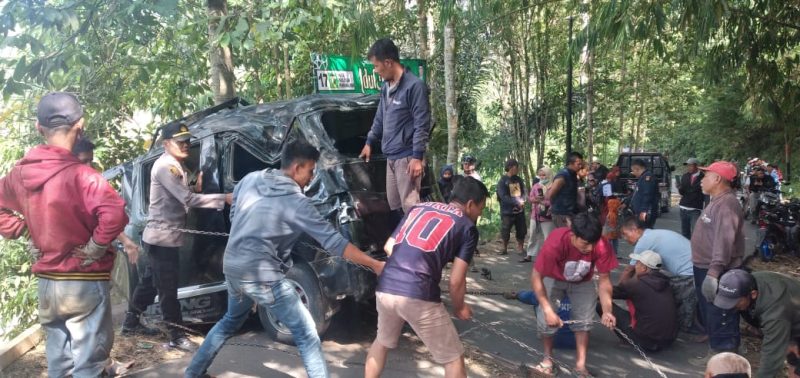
(694, 282)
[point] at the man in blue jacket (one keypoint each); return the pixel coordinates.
(268, 215)
(402, 124)
(645, 199)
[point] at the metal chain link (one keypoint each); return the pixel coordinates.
(158, 226)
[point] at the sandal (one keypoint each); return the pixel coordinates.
(542, 370)
(584, 373)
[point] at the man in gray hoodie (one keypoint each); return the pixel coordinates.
(268, 215)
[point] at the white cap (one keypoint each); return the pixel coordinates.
(650, 259)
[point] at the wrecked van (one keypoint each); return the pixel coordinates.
(233, 139)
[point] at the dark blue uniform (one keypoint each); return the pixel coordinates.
(646, 198)
(430, 236)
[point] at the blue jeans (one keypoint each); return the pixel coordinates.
(76, 317)
(283, 302)
(688, 220)
(721, 325)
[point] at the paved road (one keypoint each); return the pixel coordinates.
(354, 329)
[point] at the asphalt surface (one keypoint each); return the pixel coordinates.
(503, 328)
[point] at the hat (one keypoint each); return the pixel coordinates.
(733, 285)
(649, 258)
(595, 159)
(176, 130)
(58, 109)
(724, 169)
(692, 161)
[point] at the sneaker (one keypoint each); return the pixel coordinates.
(183, 344)
(140, 330)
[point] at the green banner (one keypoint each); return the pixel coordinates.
(342, 74)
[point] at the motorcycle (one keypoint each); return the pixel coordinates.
(777, 226)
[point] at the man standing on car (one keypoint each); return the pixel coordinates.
(645, 200)
(170, 197)
(691, 197)
(71, 215)
(402, 124)
(269, 214)
(430, 236)
(511, 193)
(563, 194)
(717, 246)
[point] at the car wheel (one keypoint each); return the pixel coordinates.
(305, 282)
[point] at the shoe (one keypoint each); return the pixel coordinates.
(527, 259)
(183, 344)
(474, 269)
(139, 330)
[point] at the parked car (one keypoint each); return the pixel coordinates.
(658, 165)
(234, 139)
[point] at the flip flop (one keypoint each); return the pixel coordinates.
(542, 370)
(584, 373)
(117, 368)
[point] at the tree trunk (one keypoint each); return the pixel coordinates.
(450, 92)
(589, 105)
(287, 72)
(422, 20)
(622, 102)
(221, 71)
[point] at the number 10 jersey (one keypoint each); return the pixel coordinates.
(431, 235)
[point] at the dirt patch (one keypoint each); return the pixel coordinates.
(144, 351)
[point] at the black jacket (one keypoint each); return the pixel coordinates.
(691, 193)
(654, 306)
(508, 189)
(646, 197)
(766, 183)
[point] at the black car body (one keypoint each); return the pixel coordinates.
(657, 164)
(231, 140)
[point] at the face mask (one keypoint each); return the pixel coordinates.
(544, 181)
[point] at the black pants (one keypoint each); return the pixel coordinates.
(145, 291)
(624, 325)
(165, 264)
(518, 222)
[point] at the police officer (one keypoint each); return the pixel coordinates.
(170, 197)
(644, 203)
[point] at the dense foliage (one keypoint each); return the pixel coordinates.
(705, 78)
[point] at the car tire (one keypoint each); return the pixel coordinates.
(307, 285)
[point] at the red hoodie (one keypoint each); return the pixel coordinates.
(62, 203)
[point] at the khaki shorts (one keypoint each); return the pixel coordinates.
(430, 322)
(582, 299)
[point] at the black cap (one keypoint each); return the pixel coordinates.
(734, 284)
(58, 109)
(176, 130)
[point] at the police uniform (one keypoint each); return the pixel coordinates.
(645, 198)
(170, 199)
